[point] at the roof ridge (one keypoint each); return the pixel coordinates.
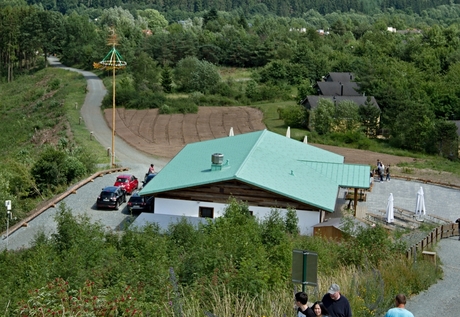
(249, 153)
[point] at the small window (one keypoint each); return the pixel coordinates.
(206, 212)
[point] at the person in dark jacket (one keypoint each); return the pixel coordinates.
(336, 304)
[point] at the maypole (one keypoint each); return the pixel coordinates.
(113, 61)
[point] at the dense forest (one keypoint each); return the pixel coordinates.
(288, 8)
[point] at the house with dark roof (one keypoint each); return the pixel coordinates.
(264, 169)
(311, 102)
(340, 77)
(335, 88)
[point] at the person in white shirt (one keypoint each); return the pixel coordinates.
(400, 309)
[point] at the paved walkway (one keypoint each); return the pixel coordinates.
(442, 298)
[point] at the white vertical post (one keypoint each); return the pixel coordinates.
(8, 214)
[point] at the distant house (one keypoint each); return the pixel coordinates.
(311, 102)
(334, 88)
(337, 87)
(263, 169)
(340, 77)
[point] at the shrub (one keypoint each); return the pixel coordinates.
(47, 171)
(214, 100)
(294, 116)
(73, 169)
(192, 74)
(322, 116)
(54, 84)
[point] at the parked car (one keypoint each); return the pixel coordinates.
(139, 203)
(111, 197)
(148, 178)
(127, 182)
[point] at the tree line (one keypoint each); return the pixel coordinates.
(288, 8)
(413, 74)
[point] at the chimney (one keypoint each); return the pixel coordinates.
(217, 160)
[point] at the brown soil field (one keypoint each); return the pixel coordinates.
(165, 135)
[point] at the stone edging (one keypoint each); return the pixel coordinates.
(421, 180)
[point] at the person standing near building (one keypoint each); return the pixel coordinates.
(301, 301)
(381, 171)
(151, 169)
(400, 309)
(336, 304)
(388, 178)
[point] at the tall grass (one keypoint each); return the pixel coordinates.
(370, 291)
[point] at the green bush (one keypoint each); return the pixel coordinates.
(54, 84)
(192, 74)
(294, 116)
(213, 100)
(179, 105)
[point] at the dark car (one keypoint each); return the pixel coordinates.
(148, 178)
(139, 203)
(127, 182)
(111, 197)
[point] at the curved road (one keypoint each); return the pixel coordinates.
(95, 122)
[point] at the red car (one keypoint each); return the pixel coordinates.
(127, 182)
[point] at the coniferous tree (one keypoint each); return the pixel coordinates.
(166, 79)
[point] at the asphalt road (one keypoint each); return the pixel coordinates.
(83, 202)
(94, 120)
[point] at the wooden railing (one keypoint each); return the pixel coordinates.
(441, 232)
(53, 201)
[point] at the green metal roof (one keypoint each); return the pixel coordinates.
(266, 160)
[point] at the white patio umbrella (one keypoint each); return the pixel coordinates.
(390, 215)
(305, 139)
(231, 132)
(420, 210)
(288, 132)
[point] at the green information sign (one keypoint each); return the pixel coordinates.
(304, 268)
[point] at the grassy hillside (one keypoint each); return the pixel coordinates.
(37, 111)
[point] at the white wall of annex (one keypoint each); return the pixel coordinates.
(307, 219)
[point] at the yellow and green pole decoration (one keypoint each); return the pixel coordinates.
(112, 61)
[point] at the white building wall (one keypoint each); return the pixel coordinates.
(307, 218)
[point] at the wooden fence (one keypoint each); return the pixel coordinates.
(53, 201)
(441, 232)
